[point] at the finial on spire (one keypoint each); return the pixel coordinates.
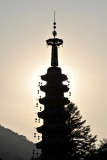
(55, 43)
(54, 32)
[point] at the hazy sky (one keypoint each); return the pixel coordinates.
(24, 27)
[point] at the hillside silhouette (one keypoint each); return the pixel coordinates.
(14, 146)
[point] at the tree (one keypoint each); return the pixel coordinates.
(103, 145)
(102, 150)
(81, 141)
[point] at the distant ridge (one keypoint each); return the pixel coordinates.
(14, 146)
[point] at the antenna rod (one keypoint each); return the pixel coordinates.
(54, 16)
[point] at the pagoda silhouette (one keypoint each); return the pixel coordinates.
(54, 143)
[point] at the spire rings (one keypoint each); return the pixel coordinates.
(55, 41)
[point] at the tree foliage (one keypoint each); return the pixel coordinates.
(81, 141)
(102, 150)
(103, 145)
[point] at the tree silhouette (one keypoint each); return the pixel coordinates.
(102, 150)
(103, 145)
(81, 142)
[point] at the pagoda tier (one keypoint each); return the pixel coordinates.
(61, 88)
(54, 73)
(53, 113)
(53, 143)
(54, 130)
(54, 99)
(54, 149)
(57, 128)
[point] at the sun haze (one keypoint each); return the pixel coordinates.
(25, 26)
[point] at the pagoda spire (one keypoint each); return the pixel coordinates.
(54, 42)
(54, 143)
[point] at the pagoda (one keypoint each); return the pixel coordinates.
(54, 143)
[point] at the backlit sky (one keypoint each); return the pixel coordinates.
(24, 27)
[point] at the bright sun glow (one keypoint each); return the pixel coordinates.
(72, 79)
(35, 79)
(34, 88)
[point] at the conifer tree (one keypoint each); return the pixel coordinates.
(81, 141)
(102, 150)
(103, 145)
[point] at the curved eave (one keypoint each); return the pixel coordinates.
(51, 88)
(50, 113)
(54, 100)
(53, 77)
(54, 128)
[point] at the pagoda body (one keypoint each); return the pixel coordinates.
(54, 131)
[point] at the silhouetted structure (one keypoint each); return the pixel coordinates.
(54, 131)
